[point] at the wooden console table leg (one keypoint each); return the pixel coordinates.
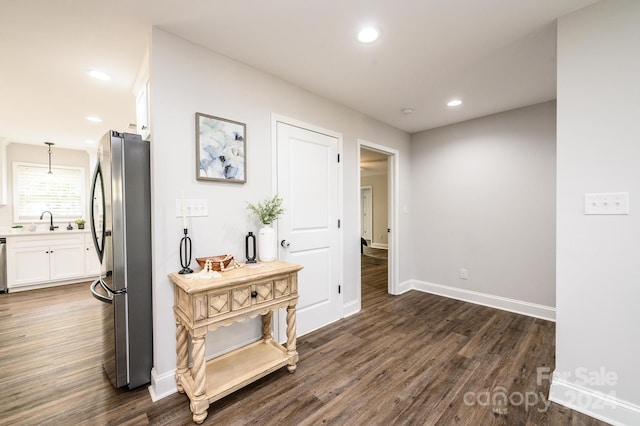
(267, 326)
(291, 338)
(182, 352)
(199, 403)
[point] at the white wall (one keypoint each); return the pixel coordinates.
(598, 278)
(484, 199)
(186, 79)
(380, 206)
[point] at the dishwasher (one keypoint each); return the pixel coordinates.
(3, 266)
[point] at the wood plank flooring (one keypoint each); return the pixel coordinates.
(412, 359)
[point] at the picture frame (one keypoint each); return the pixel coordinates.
(220, 149)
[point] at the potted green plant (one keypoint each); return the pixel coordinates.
(80, 223)
(267, 212)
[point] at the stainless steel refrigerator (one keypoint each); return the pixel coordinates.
(121, 227)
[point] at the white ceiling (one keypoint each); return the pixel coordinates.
(494, 54)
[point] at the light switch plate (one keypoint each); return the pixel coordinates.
(193, 207)
(606, 203)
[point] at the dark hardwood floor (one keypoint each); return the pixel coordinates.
(414, 359)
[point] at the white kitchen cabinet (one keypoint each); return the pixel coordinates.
(41, 260)
(143, 126)
(142, 94)
(66, 261)
(27, 265)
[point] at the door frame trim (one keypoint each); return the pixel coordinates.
(278, 118)
(394, 191)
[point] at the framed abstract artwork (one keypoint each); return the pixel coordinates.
(220, 149)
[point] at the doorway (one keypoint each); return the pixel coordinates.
(378, 170)
(374, 198)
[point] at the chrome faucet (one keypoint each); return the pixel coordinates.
(51, 227)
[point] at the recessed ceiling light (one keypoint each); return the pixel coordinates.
(407, 111)
(369, 34)
(454, 103)
(94, 119)
(99, 75)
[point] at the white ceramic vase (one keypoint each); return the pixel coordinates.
(266, 244)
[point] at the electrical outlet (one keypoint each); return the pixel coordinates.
(464, 274)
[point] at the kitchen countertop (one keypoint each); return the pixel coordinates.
(58, 231)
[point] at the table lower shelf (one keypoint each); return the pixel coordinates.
(234, 370)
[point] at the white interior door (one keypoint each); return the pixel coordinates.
(308, 177)
(366, 207)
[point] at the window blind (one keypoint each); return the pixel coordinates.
(35, 191)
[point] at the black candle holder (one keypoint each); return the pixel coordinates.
(185, 254)
(250, 247)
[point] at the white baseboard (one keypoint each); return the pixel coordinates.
(595, 404)
(404, 287)
(48, 284)
(351, 308)
(380, 246)
(162, 385)
(512, 305)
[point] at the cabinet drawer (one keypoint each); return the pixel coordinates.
(54, 240)
(281, 288)
(223, 302)
(256, 294)
(219, 303)
(240, 298)
(263, 292)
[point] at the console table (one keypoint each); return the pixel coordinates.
(204, 305)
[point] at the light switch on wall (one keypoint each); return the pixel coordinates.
(192, 207)
(606, 203)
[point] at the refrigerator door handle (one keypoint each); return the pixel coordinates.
(110, 290)
(105, 299)
(98, 212)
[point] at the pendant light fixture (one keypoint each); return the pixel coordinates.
(50, 174)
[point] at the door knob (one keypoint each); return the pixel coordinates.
(285, 243)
